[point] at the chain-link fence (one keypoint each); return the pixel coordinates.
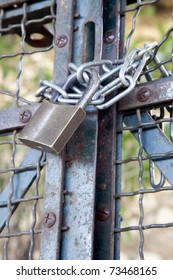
(145, 162)
(144, 129)
(26, 57)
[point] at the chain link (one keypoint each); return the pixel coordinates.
(122, 75)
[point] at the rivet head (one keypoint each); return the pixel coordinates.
(109, 37)
(103, 213)
(61, 41)
(144, 94)
(49, 219)
(25, 116)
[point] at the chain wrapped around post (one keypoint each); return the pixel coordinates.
(126, 73)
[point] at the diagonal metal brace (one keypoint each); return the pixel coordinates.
(154, 141)
(22, 181)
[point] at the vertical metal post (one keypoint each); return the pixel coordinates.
(118, 171)
(105, 185)
(51, 235)
(79, 205)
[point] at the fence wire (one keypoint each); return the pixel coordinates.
(26, 57)
(146, 203)
(146, 195)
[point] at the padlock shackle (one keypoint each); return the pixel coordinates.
(92, 87)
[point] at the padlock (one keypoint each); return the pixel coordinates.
(53, 124)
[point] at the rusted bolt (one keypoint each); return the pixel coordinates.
(103, 186)
(65, 228)
(144, 94)
(109, 37)
(103, 213)
(65, 192)
(49, 219)
(25, 116)
(61, 41)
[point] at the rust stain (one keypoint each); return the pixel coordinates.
(62, 2)
(72, 198)
(76, 242)
(103, 186)
(75, 173)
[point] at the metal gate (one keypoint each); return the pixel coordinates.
(107, 195)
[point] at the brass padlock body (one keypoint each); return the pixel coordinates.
(52, 126)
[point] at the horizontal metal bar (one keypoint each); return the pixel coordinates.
(35, 10)
(10, 118)
(6, 3)
(149, 95)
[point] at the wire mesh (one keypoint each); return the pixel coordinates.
(26, 57)
(146, 202)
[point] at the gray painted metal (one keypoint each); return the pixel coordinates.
(22, 181)
(154, 142)
(87, 44)
(80, 178)
(4, 3)
(38, 9)
(77, 243)
(50, 237)
(161, 91)
(54, 184)
(10, 117)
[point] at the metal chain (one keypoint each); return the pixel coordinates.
(115, 75)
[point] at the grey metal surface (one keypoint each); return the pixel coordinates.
(54, 184)
(10, 118)
(78, 214)
(79, 205)
(53, 195)
(159, 92)
(4, 3)
(87, 44)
